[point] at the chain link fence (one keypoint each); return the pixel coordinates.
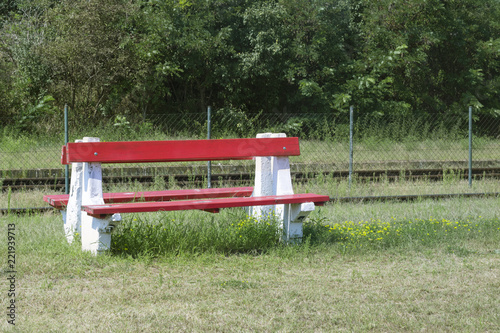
(380, 143)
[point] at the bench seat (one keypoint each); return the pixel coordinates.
(60, 201)
(211, 205)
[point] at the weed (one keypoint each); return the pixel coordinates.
(397, 232)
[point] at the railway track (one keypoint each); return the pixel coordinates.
(242, 177)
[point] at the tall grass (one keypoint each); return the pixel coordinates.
(194, 233)
(234, 232)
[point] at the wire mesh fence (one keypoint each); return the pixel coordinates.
(379, 142)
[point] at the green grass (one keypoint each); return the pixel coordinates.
(381, 266)
(194, 233)
(233, 232)
(393, 233)
(425, 275)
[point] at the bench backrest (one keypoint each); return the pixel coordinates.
(178, 150)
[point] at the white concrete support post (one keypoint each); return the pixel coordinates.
(263, 182)
(273, 177)
(72, 214)
(96, 232)
(292, 215)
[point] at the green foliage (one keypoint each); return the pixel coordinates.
(89, 55)
(130, 58)
(31, 115)
(122, 122)
(432, 52)
(234, 122)
(309, 126)
(7, 7)
(23, 73)
(375, 233)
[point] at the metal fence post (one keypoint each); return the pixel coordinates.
(351, 148)
(209, 134)
(66, 170)
(470, 146)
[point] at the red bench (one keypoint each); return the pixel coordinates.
(93, 213)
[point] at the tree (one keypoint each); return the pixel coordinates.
(189, 49)
(23, 73)
(425, 56)
(88, 51)
(295, 53)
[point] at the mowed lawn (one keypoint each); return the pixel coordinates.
(446, 279)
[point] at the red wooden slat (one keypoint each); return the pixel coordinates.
(211, 204)
(56, 200)
(61, 200)
(180, 150)
(63, 156)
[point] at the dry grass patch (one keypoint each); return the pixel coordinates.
(317, 292)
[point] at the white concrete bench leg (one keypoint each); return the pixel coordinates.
(272, 177)
(293, 216)
(73, 212)
(96, 232)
